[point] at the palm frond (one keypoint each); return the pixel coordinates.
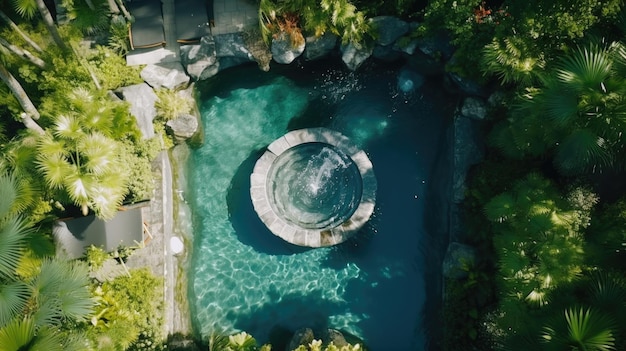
(8, 194)
(13, 298)
(99, 153)
(582, 150)
(17, 334)
(500, 208)
(586, 68)
(25, 8)
(560, 105)
(67, 127)
(79, 186)
(13, 233)
(48, 339)
(589, 330)
(608, 292)
(55, 169)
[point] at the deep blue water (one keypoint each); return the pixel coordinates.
(373, 287)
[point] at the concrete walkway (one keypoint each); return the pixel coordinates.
(230, 16)
(233, 16)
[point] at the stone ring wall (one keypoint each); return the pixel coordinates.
(259, 186)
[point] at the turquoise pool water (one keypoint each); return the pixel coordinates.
(245, 278)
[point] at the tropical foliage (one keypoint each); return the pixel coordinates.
(339, 17)
(577, 112)
(40, 296)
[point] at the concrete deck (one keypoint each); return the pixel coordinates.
(233, 16)
(230, 16)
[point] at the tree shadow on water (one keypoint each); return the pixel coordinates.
(247, 224)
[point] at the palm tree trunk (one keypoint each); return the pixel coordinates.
(23, 54)
(19, 31)
(47, 19)
(120, 3)
(31, 113)
(113, 8)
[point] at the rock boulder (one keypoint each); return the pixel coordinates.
(474, 108)
(302, 336)
(283, 51)
(354, 55)
(200, 60)
(169, 75)
(141, 99)
(389, 29)
(183, 127)
(318, 47)
(232, 45)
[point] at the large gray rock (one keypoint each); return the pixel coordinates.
(437, 45)
(389, 29)
(302, 336)
(318, 47)
(232, 45)
(200, 60)
(183, 127)
(141, 99)
(334, 336)
(354, 55)
(283, 51)
(474, 108)
(458, 258)
(386, 53)
(169, 75)
(468, 150)
(466, 86)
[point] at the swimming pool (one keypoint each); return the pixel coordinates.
(375, 286)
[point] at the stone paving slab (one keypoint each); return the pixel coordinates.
(233, 16)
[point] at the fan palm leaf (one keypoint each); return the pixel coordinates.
(25, 8)
(13, 298)
(13, 234)
(55, 169)
(582, 150)
(99, 153)
(500, 208)
(8, 194)
(584, 330)
(608, 292)
(68, 127)
(62, 290)
(17, 334)
(586, 69)
(560, 105)
(78, 186)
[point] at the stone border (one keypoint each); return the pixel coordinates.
(313, 237)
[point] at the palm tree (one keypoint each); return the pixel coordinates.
(512, 60)
(80, 158)
(578, 112)
(582, 330)
(17, 29)
(31, 114)
(28, 8)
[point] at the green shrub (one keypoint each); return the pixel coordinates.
(129, 313)
(95, 257)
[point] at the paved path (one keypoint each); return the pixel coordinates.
(233, 16)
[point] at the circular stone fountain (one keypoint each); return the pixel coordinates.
(313, 187)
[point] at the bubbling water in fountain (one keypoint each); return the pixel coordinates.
(314, 186)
